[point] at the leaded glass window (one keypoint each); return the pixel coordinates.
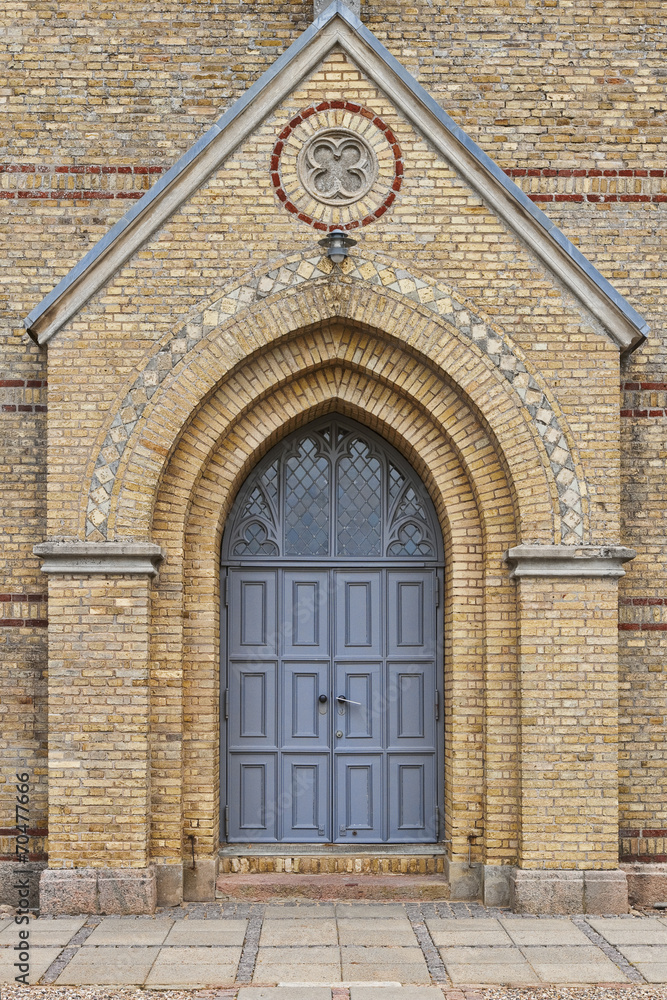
(333, 490)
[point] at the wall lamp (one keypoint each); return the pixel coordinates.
(337, 245)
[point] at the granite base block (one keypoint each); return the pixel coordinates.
(117, 891)
(541, 892)
(199, 882)
(15, 877)
(496, 887)
(647, 883)
(465, 881)
(169, 884)
(605, 892)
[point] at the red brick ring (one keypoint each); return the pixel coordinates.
(356, 109)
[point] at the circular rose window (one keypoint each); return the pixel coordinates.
(337, 166)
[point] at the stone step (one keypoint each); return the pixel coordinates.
(302, 859)
(266, 886)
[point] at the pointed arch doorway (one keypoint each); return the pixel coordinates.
(332, 563)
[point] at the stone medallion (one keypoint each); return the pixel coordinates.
(337, 166)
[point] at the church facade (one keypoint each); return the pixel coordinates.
(335, 457)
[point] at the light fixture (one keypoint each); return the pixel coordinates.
(337, 245)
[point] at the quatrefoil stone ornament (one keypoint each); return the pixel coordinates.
(337, 165)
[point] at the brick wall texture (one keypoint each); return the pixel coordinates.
(228, 329)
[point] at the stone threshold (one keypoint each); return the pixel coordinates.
(333, 859)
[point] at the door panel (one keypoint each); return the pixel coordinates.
(411, 608)
(359, 718)
(253, 717)
(306, 613)
(358, 798)
(253, 626)
(304, 724)
(412, 799)
(411, 706)
(305, 798)
(252, 781)
(358, 621)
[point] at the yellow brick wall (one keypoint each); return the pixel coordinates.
(560, 86)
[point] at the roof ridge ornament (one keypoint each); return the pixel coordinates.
(319, 7)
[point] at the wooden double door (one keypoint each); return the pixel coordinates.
(331, 706)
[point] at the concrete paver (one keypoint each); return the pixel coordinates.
(310, 973)
(223, 933)
(285, 933)
(636, 953)
(502, 974)
(385, 972)
(541, 931)
(397, 956)
(44, 933)
(40, 960)
(394, 993)
(450, 933)
(573, 964)
(481, 956)
(108, 967)
(129, 931)
(194, 966)
(377, 932)
(286, 993)
(644, 930)
(319, 911)
(370, 911)
(653, 972)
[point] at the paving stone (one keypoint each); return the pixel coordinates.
(376, 932)
(194, 966)
(43, 933)
(395, 993)
(298, 932)
(643, 952)
(40, 960)
(396, 956)
(129, 931)
(386, 971)
(298, 955)
(108, 967)
(467, 932)
(542, 931)
(653, 972)
(207, 932)
(647, 930)
(370, 911)
(595, 972)
(323, 911)
(481, 955)
(502, 974)
(311, 973)
(285, 993)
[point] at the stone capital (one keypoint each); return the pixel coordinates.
(87, 558)
(568, 560)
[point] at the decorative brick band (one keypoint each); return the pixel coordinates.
(22, 617)
(22, 383)
(23, 597)
(642, 626)
(642, 602)
(644, 413)
(24, 408)
(24, 622)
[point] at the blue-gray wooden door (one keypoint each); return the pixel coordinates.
(331, 705)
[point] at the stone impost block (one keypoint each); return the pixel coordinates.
(15, 876)
(556, 891)
(605, 891)
(647, 883)
(169, 884)
(91, 558)
(117, 891)
(568, 560)
(199, 882)
(496, 887)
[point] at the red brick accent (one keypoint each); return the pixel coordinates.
(642, 626)
(644, 413)
(354, 109)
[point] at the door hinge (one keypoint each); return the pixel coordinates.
(437, 591)
(226, 821)
(225, 590)
(437, 705)
(225, 704)
(437, 824)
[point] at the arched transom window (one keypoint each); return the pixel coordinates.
(333, 490)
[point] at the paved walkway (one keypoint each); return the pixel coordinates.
(363, 948)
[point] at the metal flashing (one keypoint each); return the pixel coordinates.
(339, 25)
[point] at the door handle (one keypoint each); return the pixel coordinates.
(347, 701)
(323, 699)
